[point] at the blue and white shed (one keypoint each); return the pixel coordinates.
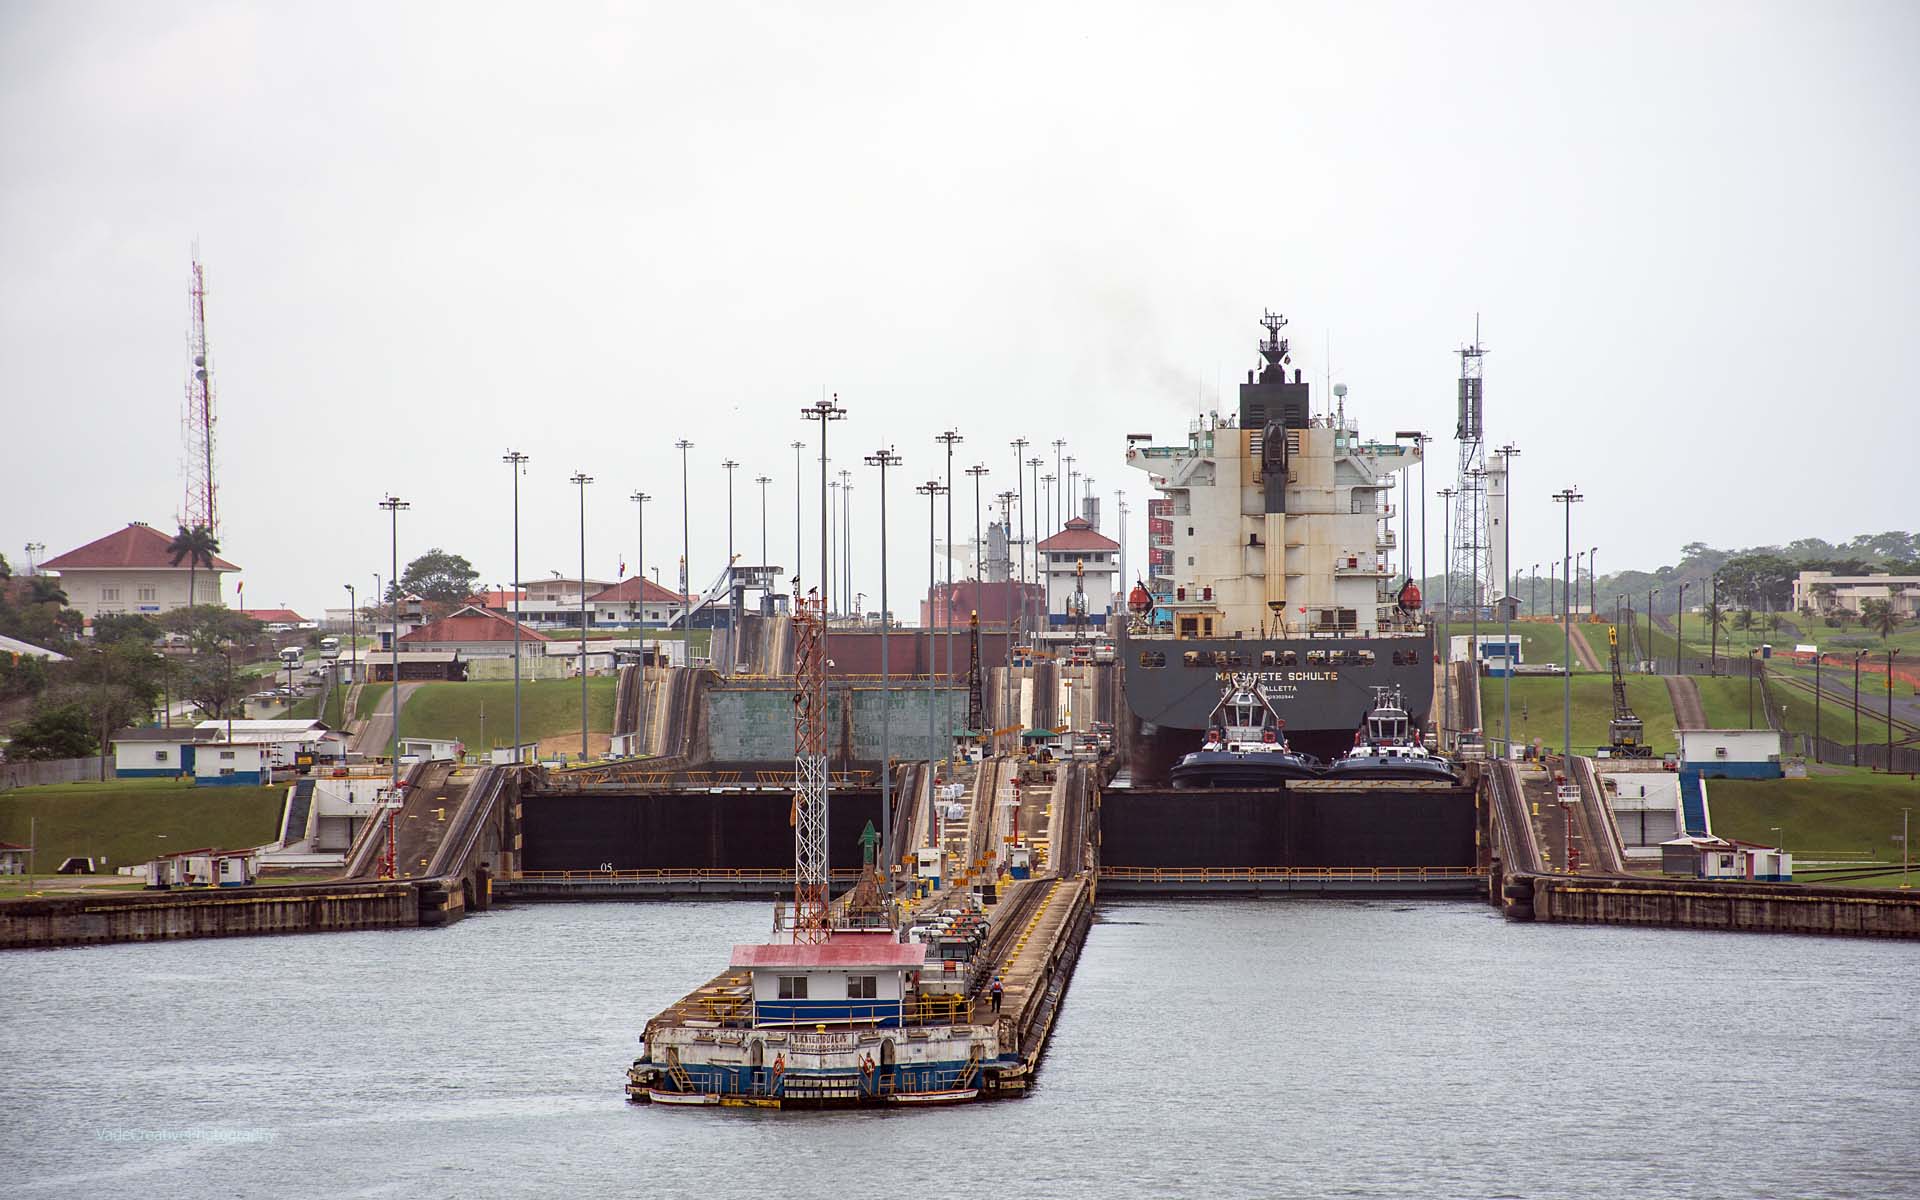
(850, 979)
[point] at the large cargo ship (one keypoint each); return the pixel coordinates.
(1277, 541)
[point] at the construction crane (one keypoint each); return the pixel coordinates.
(809, 814)
(1626, 733)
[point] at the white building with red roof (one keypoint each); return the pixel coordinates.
(132, 571)
(473, 632)
(1078, 558)
(635, 601)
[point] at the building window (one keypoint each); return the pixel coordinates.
(226, 770)
(793, 987)
(863, 987)
(146, 595)
(226, 754)
(107, 593)
(159, 756)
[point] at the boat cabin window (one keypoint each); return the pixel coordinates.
(862, 987)
(1189, 627)
(793, 987)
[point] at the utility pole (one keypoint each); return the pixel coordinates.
(1059, 476)
(797, 556)
(394, 506)
(1446, 611)
(516, 466)
(978, 470)
(763, 481)
(733, 634)
(950, 438)
(1033, 467)
(686, 565)
(1569, 497)
(824, 411)
(640, 500)
(884, 458)
(1020, 483)
(1891, 655)
(1507, 453)
(932, 489)
(581, 479)
(846, 541)
(1006, 530)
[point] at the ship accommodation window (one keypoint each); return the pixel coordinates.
(793, 987)
(1206, 624)
(1267, 658)
(862, 987)
(1289, 658)
(1235, 658)
(1189, 627)
(1189, 532)
(1316, 658)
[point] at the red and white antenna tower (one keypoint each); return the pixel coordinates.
(197, 418)
(810, 866)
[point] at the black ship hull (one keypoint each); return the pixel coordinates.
(1406, 769)
(1322, 688)
(1229, 769)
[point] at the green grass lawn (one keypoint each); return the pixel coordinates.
(1537, 710)
(332, 715)
(547, 707)
(1847, 815)
(307, 708)
(1540, 643)
(1725, 699)
(124, 820)
(371, 697)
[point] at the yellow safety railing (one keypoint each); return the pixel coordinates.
(1227, 874)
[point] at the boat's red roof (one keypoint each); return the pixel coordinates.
(842, 952)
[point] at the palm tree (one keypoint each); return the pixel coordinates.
(1744, 622)
(1878, 615)
(45, 590)
(197, 546)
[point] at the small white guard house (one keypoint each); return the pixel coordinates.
(851, 979)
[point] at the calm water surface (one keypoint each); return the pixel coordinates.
(1359, 1048)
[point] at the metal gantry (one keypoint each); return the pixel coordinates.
(1468, 557)
(810, 864)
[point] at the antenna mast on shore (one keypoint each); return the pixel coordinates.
(199, 509)
(1470, 563)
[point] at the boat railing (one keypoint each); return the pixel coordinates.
(1247, 874)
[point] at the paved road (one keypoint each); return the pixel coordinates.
(1688, 712)
(376, 737)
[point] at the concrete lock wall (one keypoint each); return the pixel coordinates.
(756, 725)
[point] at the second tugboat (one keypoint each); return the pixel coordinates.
(1384, 749)
(1244, 745)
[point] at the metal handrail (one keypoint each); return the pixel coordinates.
(672, 875)
(1202, 874)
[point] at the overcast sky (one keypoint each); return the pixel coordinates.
(432, 234)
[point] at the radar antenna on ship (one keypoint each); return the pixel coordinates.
(1275, 349)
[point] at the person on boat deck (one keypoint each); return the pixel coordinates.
(995, 992)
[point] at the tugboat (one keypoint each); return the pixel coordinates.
(1244, 747)
(1384, 749)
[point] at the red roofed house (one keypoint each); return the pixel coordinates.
(473, 632)
(132, 571)
(850, 979)
(273, 616)
(1079, 557)
(636, 601)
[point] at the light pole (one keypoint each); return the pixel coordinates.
(1059, 476)
(1568, 497)
(797, 448)
(1446, 610)
(1891, 655)
(1066, 498)
(686, 567)
(978, 470)
(1857, 656)
(1047, 493)
(582, 479)
(1006, 531)
(824, 411)
(394, 505)
(1818, 656)
(516, 467)
(1573, 580)
(1533, 592)
(1653, 656)
(846, 542)
(884, 458)
(1033, 465)
(833, 536)
(1507, 453)
(1593, 584)
(353, 636)
(932, 490)
(640, 500)
(763, 481)
(1679, 625)
(1020, 484)
(949, 438)
(1476, 492)
(729, 466)
(1751, 651)
(1553, 590)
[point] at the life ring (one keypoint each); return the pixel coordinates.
(866, 1064)
(779, 1064)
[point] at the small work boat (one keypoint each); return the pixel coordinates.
(1244, 747)
(1384, 748)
